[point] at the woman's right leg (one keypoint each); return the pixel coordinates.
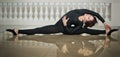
(41, 30)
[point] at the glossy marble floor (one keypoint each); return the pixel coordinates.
(61, 46)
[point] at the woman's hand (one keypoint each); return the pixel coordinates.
(65, 20)
(107, 27)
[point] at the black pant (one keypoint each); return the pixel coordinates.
(58, 29)
(90, 31)
(42, 30)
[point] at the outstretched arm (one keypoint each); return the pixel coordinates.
(106, 25)
(86, 11)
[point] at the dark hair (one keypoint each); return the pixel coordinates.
(91, 23)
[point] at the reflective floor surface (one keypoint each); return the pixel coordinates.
(61, 46)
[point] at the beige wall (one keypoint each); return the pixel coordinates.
(115, 16)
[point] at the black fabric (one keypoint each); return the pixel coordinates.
(12, 30)
(56, 29)
(73, 19)
(42, 30)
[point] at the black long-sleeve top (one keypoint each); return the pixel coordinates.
(73, 23)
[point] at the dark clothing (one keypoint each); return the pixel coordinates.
(74, 26)
(42, 30)
(57, 29)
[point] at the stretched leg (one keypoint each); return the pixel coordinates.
(41, 30)
(94, 31)
(90, 31)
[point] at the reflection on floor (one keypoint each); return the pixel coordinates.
(61, 46)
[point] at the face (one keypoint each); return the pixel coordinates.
(88, 17)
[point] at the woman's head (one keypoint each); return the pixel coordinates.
(89, 20)
(88, 17)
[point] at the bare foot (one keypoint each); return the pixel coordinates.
(16, 31)
(16, 37)
(13, 31)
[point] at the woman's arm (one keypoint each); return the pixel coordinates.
(106, 25)
(64, 21)
(67, 25)
(86, 11)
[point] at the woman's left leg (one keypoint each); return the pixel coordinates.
(90, 31)
(94, 31)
